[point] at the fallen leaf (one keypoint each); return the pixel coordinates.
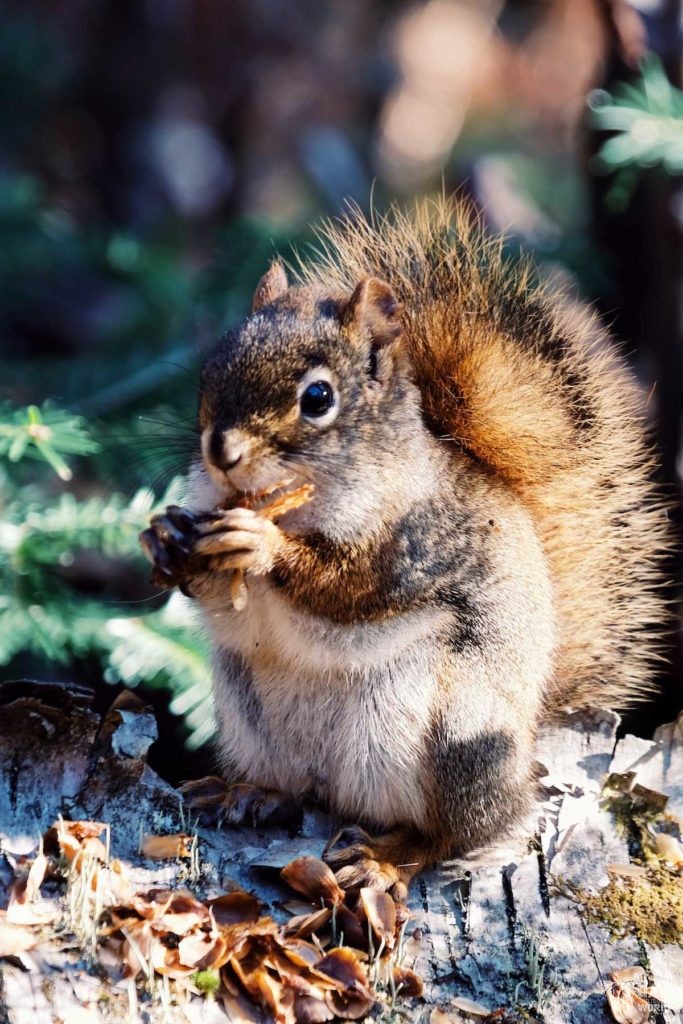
(304, 925)
(234, 908)
(380, 911)
(309, 1010)
(626, 1006)
(353, 998)
(407, 982)
(313, 878)
(348, 924)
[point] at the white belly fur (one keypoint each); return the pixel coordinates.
(343, 709)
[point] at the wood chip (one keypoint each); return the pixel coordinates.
(35, 876)
(287, 502)
(669, 848)
(439, 1016)
(15, 938)
(168, 847)
(469, 1007)
(626, 870)
(635, 976)
(239, 595)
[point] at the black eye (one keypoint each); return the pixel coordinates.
(317, 399)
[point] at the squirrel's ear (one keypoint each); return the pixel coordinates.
(374, 308)
(272, 285)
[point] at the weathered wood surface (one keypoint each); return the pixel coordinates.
(475, 918)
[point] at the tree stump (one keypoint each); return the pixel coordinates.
(501, 929)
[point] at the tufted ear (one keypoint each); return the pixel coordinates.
(272, 285)
(374, 309)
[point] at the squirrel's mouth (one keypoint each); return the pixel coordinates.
(265, 495)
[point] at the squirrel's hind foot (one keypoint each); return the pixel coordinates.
(386, 862)
(219, 803)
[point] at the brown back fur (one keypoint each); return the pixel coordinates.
(530, 385)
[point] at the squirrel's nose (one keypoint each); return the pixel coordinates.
(226, 449)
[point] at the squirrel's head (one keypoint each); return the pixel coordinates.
(310, 387)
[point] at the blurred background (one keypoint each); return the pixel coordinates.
(155, 154)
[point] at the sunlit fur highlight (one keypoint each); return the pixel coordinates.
(530, 384)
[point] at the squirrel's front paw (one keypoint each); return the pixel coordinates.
(240, 539)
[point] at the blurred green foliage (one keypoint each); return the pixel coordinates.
(42, 610)
(46, 434)
(645, 118)
(76, 488)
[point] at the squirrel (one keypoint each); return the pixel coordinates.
(483, 550)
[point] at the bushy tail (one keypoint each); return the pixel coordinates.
(530, 384)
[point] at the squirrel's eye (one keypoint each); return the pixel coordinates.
(317, 399)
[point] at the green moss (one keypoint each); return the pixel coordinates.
(208, 982)
(650, 907)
